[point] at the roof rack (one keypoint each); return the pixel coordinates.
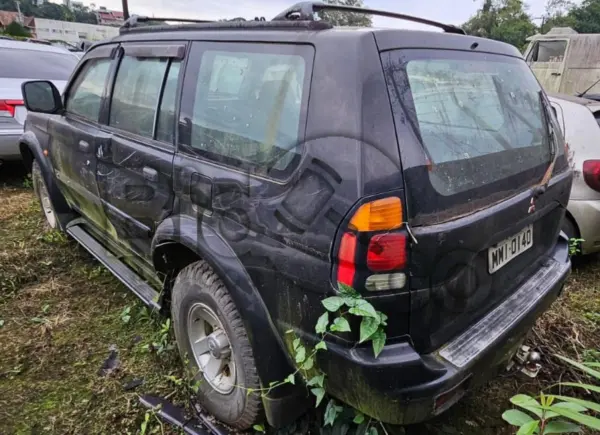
(230, 25)
(134, 20)
(306, 11)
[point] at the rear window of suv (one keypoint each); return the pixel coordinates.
(479, 121)
(36, 64)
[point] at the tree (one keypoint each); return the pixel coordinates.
(83, 14)
(345, 18)
(51, 11)
(557, 15)
(502, 20)
(586, 16)
(16, 29)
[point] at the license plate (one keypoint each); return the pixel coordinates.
(499, 255)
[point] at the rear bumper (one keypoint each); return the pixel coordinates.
(402, 387)
(587, 217)
(9, 144)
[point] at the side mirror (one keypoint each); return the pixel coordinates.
(41, 96)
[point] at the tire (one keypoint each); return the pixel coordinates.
(41, 191)
(199, 292)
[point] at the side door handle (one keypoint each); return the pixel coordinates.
(84, 146)
(556, 74)
(150, 174)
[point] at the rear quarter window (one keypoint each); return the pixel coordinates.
(249, 105)
(35, 64)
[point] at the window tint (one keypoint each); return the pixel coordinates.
(166, 115)
(85, 96)
(474, 129)
(548, 51)
(136, 92)
(17, 64)
(248, 106)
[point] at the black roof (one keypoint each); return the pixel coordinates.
(299, 24)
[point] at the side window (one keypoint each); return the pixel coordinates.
(136, 93)
(248, 107)
(85, 96)
(166, 115)
(548, 51)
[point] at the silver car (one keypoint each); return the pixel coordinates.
(22, 61)
(580, 122)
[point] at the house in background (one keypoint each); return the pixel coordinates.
(70, 31)
(108, 17)
(7, 17)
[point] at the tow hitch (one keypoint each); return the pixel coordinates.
(526, 361)
(200, 424)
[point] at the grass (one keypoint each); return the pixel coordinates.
(61, 314)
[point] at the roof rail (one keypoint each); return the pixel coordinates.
(134, 20)
(305, 11)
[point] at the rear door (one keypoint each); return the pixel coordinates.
(547, 60)
(474, 135)
(76, 135)
(134, 169)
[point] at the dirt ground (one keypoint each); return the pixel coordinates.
(62, 316)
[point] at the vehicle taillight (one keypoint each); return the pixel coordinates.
(346, 254)
(591, 174)
(8, 107)
(382, 214)
(374, 242)
(386, 252)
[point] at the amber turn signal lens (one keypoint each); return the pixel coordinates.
(379, 215)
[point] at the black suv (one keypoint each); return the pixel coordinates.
(237, 172)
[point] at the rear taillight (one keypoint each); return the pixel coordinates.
(591, 174)
(8, 107)
(346, 254)
(372, 252)
(386, 252)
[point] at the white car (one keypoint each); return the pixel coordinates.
(22, 61)
(580, 121)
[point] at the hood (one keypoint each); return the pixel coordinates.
(593, 105)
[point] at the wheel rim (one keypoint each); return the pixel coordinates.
(46, 204)
(211, 348)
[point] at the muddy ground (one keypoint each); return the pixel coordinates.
(62, 315)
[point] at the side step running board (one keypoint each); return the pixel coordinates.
(127, 276)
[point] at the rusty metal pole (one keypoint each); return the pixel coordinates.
(125, 9)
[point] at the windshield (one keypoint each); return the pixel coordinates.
(479, 120)
(17, 64)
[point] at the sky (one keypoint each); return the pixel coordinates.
(448, 11)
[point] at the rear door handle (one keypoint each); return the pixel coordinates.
(555, 74)
(150, 174)
(84, 146)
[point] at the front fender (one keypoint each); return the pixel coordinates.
(31, 149)
(285, 403)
